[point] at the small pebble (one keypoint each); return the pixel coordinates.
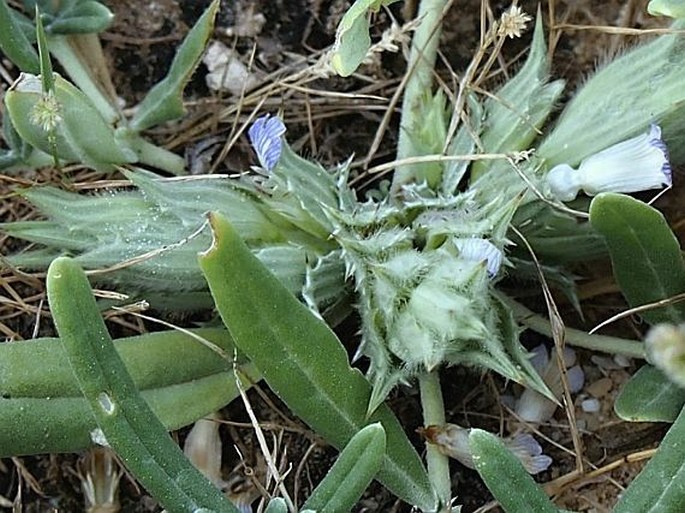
(590, 405)
(600, 388)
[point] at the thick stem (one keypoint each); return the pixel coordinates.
(422, 57)
(539, 324)
(158, 157)
(434, 414)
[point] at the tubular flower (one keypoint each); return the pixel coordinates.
(638, 164)
(265, 135)
(453, 441)
(480, 250)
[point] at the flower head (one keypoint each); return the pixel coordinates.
(265, 135)
(638, 164)
(480, 250)
(666, 350)
(512, 22)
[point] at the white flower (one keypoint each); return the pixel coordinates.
(265, 135)
(513, 22)
(638, 164)
(480, 250)
(453, 441)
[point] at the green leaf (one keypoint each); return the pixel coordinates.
(645, 254)
(352, 472)
(671, 8)
(164, 101)
(80, 18)
(649, 396)
(14, 43)
(80, 134)
(277, 505)
(302, 360)
(658, 488)
(127, 422)
(505, 476)
(352, 40)
(515, 115)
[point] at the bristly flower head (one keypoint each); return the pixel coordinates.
(513, 22)
(265, 135)
(638, 164)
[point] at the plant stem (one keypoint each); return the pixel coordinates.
(578, 338)
(156, 156)
(422, 57)
(434, 413)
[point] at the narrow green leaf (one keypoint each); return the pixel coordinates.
(505, 476)
(352, 40)
(645, 254)
(302, 360)
(659, 487)
(649, 396)
(127, 422)
(82, 17)
(352, 472)
(54, 424)
(164, 101)
(14, 43)
(514, 115)
(46, 76)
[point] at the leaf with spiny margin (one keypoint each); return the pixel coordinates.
(302, 360)
(649, 396)
(645, 254)
(514, 116)
(164, 101)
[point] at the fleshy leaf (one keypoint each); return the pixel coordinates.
(302, 360)
(79, 134)
(352, 472)
(657, 489)
(127, 423)
(649, 396)
(646, 257)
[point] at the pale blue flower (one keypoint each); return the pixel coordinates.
(265, 135)
(453, 440)
(480, 250)
(638, 164)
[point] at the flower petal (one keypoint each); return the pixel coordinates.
(265, 135)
